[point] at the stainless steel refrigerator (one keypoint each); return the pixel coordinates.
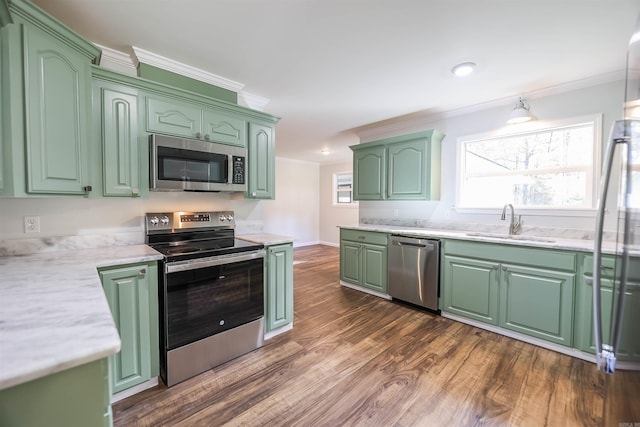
(616, 267)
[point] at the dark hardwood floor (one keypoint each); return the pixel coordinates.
(356, 359)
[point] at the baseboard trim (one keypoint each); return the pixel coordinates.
(365, 290)
(134, 390)
(278, 331)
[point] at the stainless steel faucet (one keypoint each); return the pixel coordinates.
(515, 226)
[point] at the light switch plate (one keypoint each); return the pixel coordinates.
(31, 224)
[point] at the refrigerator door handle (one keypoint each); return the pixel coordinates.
(605, 354)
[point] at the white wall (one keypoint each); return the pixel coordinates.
(332, 216)
(295, 211)
(605, 99)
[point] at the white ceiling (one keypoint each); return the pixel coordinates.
(331, 66)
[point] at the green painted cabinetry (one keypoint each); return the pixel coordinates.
(76, 397)
(261, 173)
(193, 120)
(132, 293)
(46, 97)
(57, 98)
(279, 286)
(123, 148)
(471, 288)
(399, 168)
(363, 259)
(584, 337)
(522, 289)
(369, 173)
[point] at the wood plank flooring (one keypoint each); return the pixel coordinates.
(357, 360)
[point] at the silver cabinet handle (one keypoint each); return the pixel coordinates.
(142, 273)
(198, 135)
(206, 136)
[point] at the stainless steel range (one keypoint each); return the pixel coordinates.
(211, 291)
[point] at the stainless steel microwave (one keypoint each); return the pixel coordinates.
(177, 164)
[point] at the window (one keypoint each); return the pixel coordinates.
(343, 189)
(551, 167)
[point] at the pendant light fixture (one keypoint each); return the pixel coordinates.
(520, 113)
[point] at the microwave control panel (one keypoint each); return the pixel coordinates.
(238, 170)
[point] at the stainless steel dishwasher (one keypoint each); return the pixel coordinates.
(414, 270)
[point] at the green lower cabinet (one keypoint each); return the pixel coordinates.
(537, 302)
(132, 293)
(75, 397)
(629, 349)
(363, 259)
(521, 289)
(471, 288)
(279, 286)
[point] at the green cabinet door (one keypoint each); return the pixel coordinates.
(363, 259)
(369, 173)
(279, 292)
(132, 293)
(350, 261)
(471, 288)
(374, 267)
(118, 108)
(537, 302)
(224, 128)
(262, 162)
(414, 170)
(3, 97)
(58, 104)
(174, 118)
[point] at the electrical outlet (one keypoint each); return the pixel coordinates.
(31, 224)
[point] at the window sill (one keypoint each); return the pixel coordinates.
(346, 205)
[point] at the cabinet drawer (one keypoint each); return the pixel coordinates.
(608, 263)
(372, 237)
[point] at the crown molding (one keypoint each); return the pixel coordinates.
(253, 101)
(415, 120)
(167, 64)
(116, 60)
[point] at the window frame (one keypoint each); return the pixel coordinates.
(531, 127)
(334, 190)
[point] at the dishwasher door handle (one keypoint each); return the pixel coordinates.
(413, 245)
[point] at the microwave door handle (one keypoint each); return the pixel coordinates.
(229, 169)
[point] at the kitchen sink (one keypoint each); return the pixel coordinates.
(512, 237)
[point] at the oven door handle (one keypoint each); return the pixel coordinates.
(173, 267)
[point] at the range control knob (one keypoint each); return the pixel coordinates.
(229, 217)
(154, 220)
(164, 220)
(222, 218)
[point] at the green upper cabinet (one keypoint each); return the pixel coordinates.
(116, 108)
(180, 118)
(225, 128)
(400, 168)
(57, 97)
(46, 105)
(132, 293)
(262, 159)
(369, 173)
(279, 286)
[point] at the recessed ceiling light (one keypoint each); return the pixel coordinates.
(325, 151)
(463, 69)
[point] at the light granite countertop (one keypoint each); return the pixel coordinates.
(53, 312)
(266, 239)
(548, 242)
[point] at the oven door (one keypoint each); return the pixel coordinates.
(206, 296)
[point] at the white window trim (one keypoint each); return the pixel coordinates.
(522, 128)
(334, 196)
